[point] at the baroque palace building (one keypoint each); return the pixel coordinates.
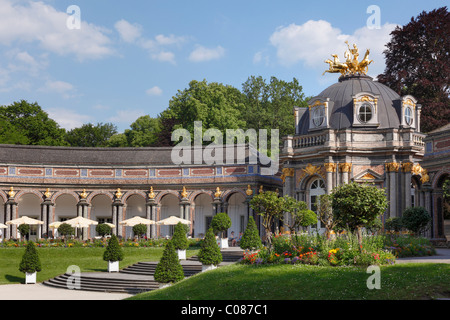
(114, 184)
(360, 130)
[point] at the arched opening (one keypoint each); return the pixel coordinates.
(316, 189)
(29, 205)
(135, 207)
(237, 211)
(65, 207)
(203, 214)
(101, 211)
(170, 206)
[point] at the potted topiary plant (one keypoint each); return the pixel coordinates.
(30, 263)
(220, 223)
(209, 254)
(24, 230)
(168, 270)
(113, 254)
(250, 239)
(180, 240)
(139, 230)
(103, 229)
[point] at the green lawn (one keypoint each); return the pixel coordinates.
(296, 282)
(55, 261)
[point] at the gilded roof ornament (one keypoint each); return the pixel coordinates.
(47, 193)
(249, 191)
(84, 194)
(11, 192)
(184, 194)
(151, 194)
(351, 65)
(218, 193)
(118, 193)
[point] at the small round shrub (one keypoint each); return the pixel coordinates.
(416, 219)
(66, 230)
(140, 230)
(30, 261)
(220, 222)
(209, 250)
(169, 268)
(103, 229)
(250, 239)
(179, 238)
(113, 251)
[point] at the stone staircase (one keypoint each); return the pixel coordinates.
(136, 278)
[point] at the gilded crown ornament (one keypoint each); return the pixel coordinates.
(11, 192)
(351, 65)
(184, 194)
(118, 193)
(83, 195)
(151, 194)
(47, 194)
(218, 193)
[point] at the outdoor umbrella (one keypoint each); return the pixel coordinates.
(3, 226)
(172, 220)
(55, 225)
(136, 220)
(80, 222)
(24, 220)
(110, 224)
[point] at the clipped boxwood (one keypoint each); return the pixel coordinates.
(103, 229)
(169, 268)
(65, 230)
(209, 253)
(140, 230)
(30, 261)
(179, 238)
(250, 239)
(416, 219)
(220, 222)
(113, 251)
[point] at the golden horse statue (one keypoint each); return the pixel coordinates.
(363, 66)
(351, 65)
(336, 66)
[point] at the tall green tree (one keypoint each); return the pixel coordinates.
(10, 134)
(144, 132)
(33, 123)
(89, 135)
(417, 63)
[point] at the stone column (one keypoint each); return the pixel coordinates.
(45, 216)
(10, 211)
(148, 215)
(406, 169)
(117, 208)
(345, 168)
(330, 169)
(392, 169)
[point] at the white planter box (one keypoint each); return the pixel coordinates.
(207, 267)
(113, 266)
(181, 254)
(30, 277)
(224, 243)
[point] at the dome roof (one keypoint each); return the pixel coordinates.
(340, 107)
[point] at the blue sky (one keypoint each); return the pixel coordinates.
(129, 58)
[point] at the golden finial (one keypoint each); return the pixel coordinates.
(11, 192)
(261, 189)
(218, 193)
(47, 193)
(184, 193)
(84, 194)
(118, 193)
(151, 194)
(249, 191)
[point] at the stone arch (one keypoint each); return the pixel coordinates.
(3, 196)
(132, 193)
(228, 193)
(306, 182)
(93, 194)
(62, 192)
(28, 191)
(439, 178)
(196, 193)
(160, 195)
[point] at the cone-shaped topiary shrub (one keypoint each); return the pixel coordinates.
(113, 251)
(209, 252)
(169, 268)
(250, 239)
(30, 261)
(179, 238)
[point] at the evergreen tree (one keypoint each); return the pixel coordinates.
(179, 238)
(113, 251)
(210, 251)
(250, 239)
(30, 261)
(169, 268)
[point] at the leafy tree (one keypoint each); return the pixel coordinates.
(220, 222)
(209, 253)
(118, 140)
(89, 135)
(66, 230)
(140, 230)
(417, 63)
(34, 124)
(270, 207)
(300, 215)
(10, 134)
(416, 219)
(30, 261)
(103, 229)
(393, 224)
(250, 239)
(113, 251)
(144, 132)
(269, 105)
(357, 205)
(169, 268)
(214, 104)
(24, 230)
(325, 213)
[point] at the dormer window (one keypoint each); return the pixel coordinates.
(318, 113)
(409, 111)
(365, 110)
(318, 116)
(408, 116)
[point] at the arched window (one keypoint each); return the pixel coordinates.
(365, 113)
(408, 116)
(318, 116)
(316, 189)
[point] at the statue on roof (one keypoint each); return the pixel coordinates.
(352, 65)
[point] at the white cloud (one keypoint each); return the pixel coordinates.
(155, 91)
(128, 32)
(126, 116)
(67, 118)
(315, 41)
(201, 54)
(164, 56)
(41, 23)
(65, 89)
